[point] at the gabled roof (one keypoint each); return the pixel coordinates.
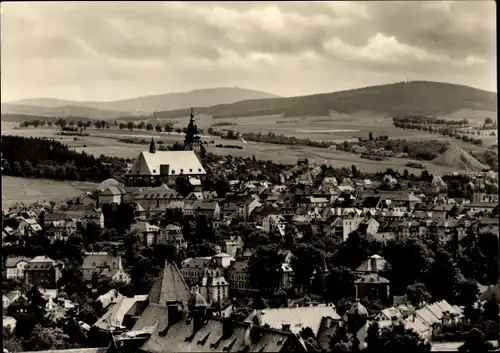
(179, 162)
(13, 261)
(169, 287)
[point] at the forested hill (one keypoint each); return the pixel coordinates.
(44, 158)
(414, 98)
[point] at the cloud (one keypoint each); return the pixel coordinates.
(108, 50)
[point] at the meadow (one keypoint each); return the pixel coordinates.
(337, 127)
(27, 190)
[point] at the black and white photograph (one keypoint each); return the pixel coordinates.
(249, 176)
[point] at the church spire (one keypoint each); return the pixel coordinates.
(152, 146)
(191, 140)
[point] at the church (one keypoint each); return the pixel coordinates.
(155, 167)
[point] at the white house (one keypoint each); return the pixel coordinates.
(15, 267)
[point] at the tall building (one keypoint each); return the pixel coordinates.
(155, 167)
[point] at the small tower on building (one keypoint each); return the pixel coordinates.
(152, 146)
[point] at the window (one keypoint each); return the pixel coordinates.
(199, 169)
(190, 170)
(173, 171)
(182, 170)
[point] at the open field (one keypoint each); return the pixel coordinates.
(336, 128)
(27, 190)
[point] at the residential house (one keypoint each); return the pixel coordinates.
(43, 272)
(111, 194)
(369, 283)
(213, 287)
(487, 225)
(147, 232)
(28, 227)
(171, 234)
(103, 265)
(478, 207)
(210, 210)
(15, 267)
(272, 222)
(369, 226)
(295, 319)
(239, 276)
(61, 230)
(157, 198)
(340, 227)
(232, 245)
(122, 313)
(245, 209)
(193, 269)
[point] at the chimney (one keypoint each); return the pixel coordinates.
(174, 313)
(227, 328)
(394, 321)
(285, 327)
(373, 264)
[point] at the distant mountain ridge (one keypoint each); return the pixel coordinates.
(417, 97)
(133, 106)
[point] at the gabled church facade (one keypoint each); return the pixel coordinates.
(156, 167)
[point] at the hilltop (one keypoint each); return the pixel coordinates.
(134, 106)
(418, 98)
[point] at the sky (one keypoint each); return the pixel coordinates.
(108, 51)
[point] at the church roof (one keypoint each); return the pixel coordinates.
(169, 287)
(179, 162)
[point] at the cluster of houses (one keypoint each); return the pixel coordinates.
(187, 308)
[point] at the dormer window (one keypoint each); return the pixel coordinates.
(154, 170)
(190, 170)
(173, 171)
(199, 169)
(182, 170)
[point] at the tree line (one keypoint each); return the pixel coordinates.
(420, 150)
(445, 131)
(429, 120)
(45, 158)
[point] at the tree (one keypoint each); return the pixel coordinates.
(488, 121)
(476, 343)
(36, 301)
(158, 127)
(130, 125)
(222, 187)
(306, 259)
(149, 127)
(340, 283)
(183, 186)
(370, 136)
(46, 338)
(169, 128)
(10, 341)
(417, 294)
(265, 268)
(141, 125)
(398, 339)
(122, 126)
(27, 168)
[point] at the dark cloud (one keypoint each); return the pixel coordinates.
(287, 48)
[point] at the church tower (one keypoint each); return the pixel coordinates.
(192, 140)
(152, 146)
